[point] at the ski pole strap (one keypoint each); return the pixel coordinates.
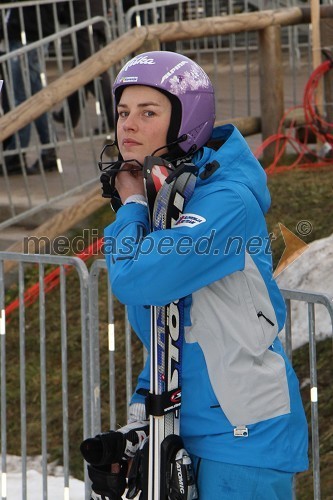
(160, 404)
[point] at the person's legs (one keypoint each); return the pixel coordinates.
(84, 51)
(48, 154)
(99, 41)
(107, 95)
(73, 100)
(219, 481)
(4, 100)
(16, 161)
(274, 484)
(19, 94)
(42, 123)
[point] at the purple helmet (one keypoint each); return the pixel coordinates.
(175, 75)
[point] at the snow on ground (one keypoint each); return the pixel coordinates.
(55, 487)
(312, 271)
(55, 481)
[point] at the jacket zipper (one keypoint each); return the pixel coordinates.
(261, 314)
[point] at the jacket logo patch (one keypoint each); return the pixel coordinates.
(189, 220)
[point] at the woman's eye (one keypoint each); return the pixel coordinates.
(123, 114)
(149, 113)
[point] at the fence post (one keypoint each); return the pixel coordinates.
(271, 82)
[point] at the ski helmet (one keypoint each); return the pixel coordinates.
(183, 81)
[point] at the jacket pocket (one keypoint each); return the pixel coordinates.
(260, 312)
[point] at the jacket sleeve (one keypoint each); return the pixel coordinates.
(142, 387)
(159, 267)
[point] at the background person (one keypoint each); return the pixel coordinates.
(84, 50)
(18, 36)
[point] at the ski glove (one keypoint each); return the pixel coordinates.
(107, 485)
(115, 446)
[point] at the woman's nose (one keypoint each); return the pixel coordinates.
(130, 123)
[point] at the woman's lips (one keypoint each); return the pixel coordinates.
(130, 142)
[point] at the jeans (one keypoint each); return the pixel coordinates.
(20, 95)
(84, 51)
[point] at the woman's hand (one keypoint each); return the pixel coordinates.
(129, 182)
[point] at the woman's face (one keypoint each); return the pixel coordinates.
(143, 123)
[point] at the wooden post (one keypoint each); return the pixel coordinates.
(316, 57)
(315, 28)
(148, 46)
(326, 30)
(271, 83)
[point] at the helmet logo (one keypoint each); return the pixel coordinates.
(128, 79)
(138, 60)
(172, 70)
(190, 80)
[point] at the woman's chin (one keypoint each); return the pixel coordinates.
(131, 155)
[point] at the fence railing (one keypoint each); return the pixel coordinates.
(95, 365)
(311, 299)
(25, 377)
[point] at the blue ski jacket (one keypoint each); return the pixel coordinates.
(235, 373)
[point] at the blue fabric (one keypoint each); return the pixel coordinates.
(231, 202)
(219, 481)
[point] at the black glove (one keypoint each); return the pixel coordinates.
(115, 446)
(138, 474)
(107, 485)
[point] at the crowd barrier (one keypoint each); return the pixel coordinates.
(96, 361)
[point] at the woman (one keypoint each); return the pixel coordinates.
(242, 418)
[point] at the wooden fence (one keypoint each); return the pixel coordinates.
(267, 23)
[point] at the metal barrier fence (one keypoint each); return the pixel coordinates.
(294, 39)
(97, 270)
(311, 299)
(77, 147)
(27, 364)
(69, 146)
(95, 366)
